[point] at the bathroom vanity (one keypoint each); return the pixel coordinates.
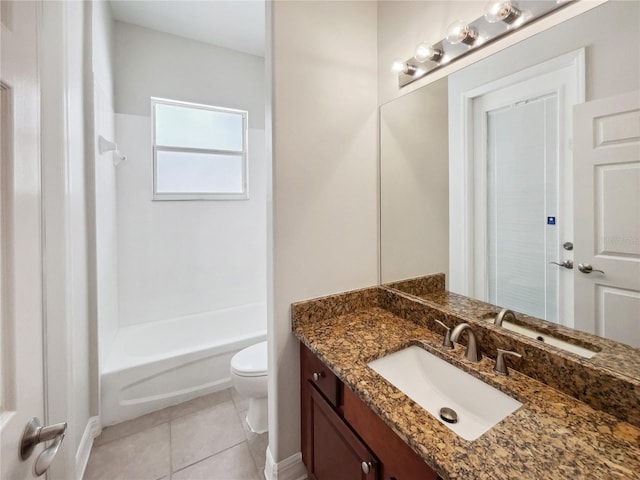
(356, 424)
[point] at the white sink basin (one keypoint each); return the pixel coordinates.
(433, 384)
(549, 340)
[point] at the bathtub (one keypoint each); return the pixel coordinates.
(158, 364)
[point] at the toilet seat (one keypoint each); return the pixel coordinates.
(251, 361)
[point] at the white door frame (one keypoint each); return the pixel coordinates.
(462, 217)
(57, 287)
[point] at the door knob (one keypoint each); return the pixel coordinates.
(366, 467)
(568, 264)
(587, 268)
(35, 433)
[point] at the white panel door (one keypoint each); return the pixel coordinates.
(607, 217)
(21, 326)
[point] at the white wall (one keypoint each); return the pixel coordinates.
(183, 257)
(324, 174)
(102, 46)
(154, 63)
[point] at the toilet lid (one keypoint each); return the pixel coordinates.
(251, 361)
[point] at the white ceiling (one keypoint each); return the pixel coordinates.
(235, 24)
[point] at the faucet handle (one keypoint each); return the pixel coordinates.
(501, 366)
(446, 343)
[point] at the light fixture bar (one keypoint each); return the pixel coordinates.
(523, 12)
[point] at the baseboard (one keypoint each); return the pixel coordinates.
(91, 431)
(290, 468)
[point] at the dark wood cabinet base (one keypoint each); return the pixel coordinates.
(342, 438)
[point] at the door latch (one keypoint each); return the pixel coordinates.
(568, 264)
(35, 433)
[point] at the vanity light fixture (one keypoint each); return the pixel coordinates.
(461, 32)
(426, 52)
(501, 11)
(501, 17)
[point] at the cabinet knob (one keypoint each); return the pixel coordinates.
(317, 376)
(366, 467)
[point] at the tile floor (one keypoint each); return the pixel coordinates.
(203, 439)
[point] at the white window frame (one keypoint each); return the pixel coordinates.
(244, 195)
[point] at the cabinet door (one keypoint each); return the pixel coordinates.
(336, 452)
(326, 383)
(398, 461)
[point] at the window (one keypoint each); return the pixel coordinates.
(199, 151)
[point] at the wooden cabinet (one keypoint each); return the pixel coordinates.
(336, 452)
(397, 460)
(330, 449)
(342, 438)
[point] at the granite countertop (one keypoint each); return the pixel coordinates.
(552, 436)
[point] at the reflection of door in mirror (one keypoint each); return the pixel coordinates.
(520, 183)
(521, 187)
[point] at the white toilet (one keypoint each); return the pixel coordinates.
(249, 377)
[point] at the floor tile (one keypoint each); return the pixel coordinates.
(201, 403)
(202, 434)
(133, 426)
(142, 456)
(232, 464)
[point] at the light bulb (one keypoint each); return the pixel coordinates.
(425, 52)
(460, 32)
(398, 66)
(501, 11)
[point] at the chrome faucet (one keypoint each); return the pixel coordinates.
(505, 314)
(473, 351)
